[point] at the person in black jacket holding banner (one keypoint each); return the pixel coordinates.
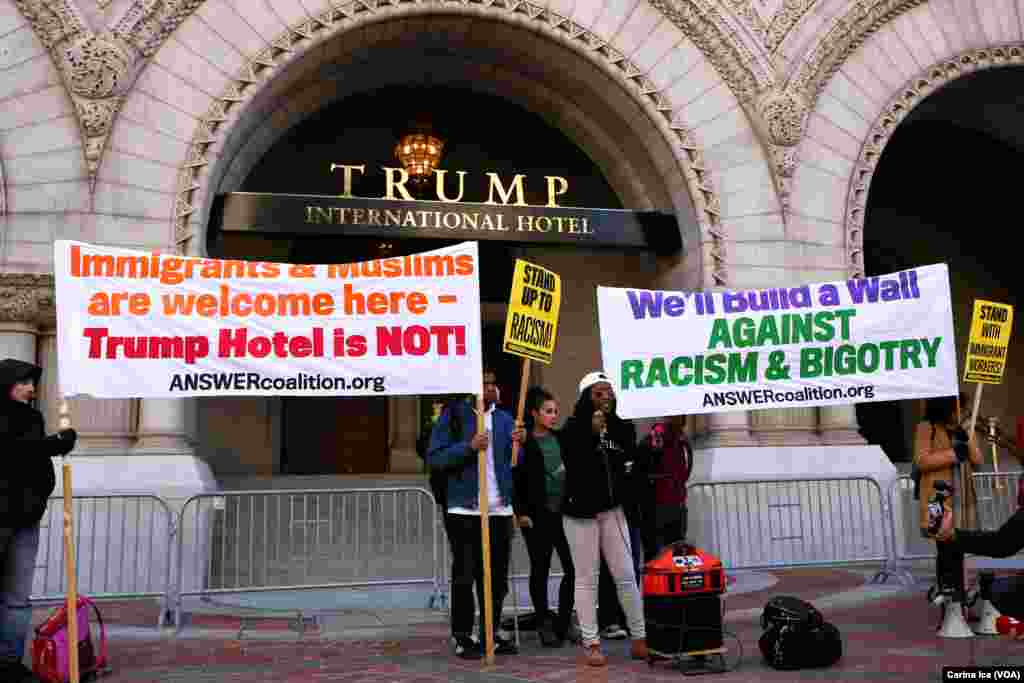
(538, 492)
(599, 453)
(25, 487)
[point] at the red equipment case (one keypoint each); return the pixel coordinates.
(682, 590)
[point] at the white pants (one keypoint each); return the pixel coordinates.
(606, 534)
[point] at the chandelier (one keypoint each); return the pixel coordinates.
(420, 152)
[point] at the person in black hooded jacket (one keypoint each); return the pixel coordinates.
(25, 486)
(599, 454)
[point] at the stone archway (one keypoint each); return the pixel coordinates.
(655, 127)
(926, 83)
(878, 76)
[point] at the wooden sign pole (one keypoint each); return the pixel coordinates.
(523, 386)
(69, 555)
(487, 609)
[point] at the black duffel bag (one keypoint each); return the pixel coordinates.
(797, 636)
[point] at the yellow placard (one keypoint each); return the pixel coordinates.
(989, 341)
(532, 323)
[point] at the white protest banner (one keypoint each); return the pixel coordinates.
(873, 339)
(137, 324)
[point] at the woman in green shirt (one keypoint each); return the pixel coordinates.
(537, 500)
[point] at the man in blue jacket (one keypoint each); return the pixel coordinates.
(455, 447)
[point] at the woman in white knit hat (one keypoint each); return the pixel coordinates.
(599, 450)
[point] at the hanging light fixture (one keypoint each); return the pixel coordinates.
(420, 152)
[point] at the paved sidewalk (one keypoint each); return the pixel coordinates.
(888, 631)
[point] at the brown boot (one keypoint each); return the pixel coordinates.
(640, 650)
(592, 655)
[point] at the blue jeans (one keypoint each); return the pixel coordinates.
(18, 562)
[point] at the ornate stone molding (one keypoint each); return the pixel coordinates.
(782, 22)
(3, 190)
(745, 70)
(892, 114)
(97, 68)
(846, 34)
(27, 298)
(781, 116)
(347, 15)
(770, 29)
(148, 23)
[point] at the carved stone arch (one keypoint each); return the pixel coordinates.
(901, 104)
(732, 38)
(195, 182)
(844, 35)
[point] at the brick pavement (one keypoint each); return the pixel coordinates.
(890, 638)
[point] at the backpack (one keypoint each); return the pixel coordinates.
(797, 636)
(50, 651)
(438, 477)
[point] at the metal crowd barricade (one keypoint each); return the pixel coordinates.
(123, 543)
(997, 497)
(803, 522)
(232, 542)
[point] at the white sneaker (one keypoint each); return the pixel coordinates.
(615, 632)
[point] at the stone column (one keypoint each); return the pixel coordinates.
(722, 430)
(102, 424)
(163, 426)
(785, 426)
(403, 426)
(838, 426)
(18, 340)
(26, 302)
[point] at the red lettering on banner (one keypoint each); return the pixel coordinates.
(103, 345)
(353, 346)
(418, 340)
(237, 343)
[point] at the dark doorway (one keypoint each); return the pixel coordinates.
(335, 436)
(507, 367)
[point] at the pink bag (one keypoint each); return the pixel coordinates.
(50, 648)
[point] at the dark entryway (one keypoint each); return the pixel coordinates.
(335, 436)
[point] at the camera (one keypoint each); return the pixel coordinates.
(936, 506)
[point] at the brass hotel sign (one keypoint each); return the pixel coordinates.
(505, 216)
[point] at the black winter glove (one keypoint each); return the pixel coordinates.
(65, 440)
(959, 441)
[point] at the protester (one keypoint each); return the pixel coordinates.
(455, 446)
(539, 488)
(670, 458)
(25, 487)
(1007, 593)
(599, 446)
(944, 452)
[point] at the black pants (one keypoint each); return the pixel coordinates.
(667, 525)
(468, 569)
(1008, 540)
(547, 535)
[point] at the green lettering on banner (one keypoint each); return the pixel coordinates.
(743, 370)
(682, 371)
(778, 330)
(931, 348)
(810, 362)
(720, 334)
(632, 370)
(657, 373)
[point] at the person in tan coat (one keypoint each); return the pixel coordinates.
(944, 452)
